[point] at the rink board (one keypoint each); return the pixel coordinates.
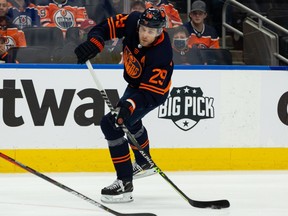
(216, 118)
(173, 159)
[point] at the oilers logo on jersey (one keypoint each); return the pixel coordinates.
(13, 37)
(23, 21)
(64, 19)
(9, 42)
(132, 65)
(186, 106)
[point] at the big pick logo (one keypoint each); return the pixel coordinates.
(186, 106)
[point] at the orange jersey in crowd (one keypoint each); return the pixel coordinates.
(14, 37)
(203, 41)
(173, 17)
(208, 38)
(63, 17)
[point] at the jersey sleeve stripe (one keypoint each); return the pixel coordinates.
(154, 89)
(97, 43)
(111, 28)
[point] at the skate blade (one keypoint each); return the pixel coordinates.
(144, 173)
(121, 198)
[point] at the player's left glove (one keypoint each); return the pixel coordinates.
(88, 49)
(125, 111)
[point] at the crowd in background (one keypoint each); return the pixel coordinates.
(56, 27)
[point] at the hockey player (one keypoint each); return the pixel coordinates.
(149, 79)
(59, 14)
(137, 6)
(173, 17)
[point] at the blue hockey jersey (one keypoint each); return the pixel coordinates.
(24, 18)
(147, 68)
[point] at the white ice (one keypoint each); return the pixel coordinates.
(252, 193)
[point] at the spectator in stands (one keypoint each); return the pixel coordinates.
(201, 34)
(182, 54)
(40, 2)
(100, 10)
(3, 7)
(13, 37)
(118, 6)
(60, 14)
(173, 17)
(23, 13)
(5, 20)
(3, 51)
(137, 6)
(112, 53)
(85, 27)
(65, 54)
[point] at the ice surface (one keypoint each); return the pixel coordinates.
(252, 193)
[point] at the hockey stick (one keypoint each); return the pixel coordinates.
(214, 204)
(78, 194)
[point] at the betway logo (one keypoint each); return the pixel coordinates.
(59, 109)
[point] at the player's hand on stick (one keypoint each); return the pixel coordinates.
(126, 109)
(88, 49)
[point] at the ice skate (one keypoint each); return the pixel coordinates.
(140, 171)
(118, 192)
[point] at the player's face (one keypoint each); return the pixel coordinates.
(147, 35)
(198, 16)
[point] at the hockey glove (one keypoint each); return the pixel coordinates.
(88, 49)
(125, 111)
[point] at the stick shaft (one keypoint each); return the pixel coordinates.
(128, 133)
(58, 184)
(195, 203)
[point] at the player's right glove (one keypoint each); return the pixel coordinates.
(88, 49)
(125, 111)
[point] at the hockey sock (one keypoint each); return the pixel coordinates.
(121, 159)
(142, 138)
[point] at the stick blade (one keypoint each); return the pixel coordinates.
(215, 204)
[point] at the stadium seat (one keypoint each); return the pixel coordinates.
(51, 37)
(35, 54)
(279, 16)
(72, 34)
(216, 56)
